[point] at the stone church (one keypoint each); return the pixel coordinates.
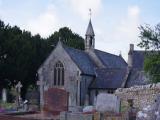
(85, 73)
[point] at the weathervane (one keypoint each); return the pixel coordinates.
(90, 13)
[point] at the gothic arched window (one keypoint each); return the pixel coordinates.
(58, 74)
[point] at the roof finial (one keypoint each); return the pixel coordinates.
(59, 38)
(59, 41)
(90, 13)
(120, 53)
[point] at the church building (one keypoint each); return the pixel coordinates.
(84, 73)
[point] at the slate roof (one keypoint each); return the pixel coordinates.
(110, 60)
(136, 77)
(82, 60)
(109, 78)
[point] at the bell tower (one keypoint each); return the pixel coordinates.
(89, 36)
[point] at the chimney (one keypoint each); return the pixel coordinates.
(131, 47)
(130, 56)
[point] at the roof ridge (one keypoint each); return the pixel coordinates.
(107, 53)
(145, 51)
(110, 59)
(73, 48)
(111, 68)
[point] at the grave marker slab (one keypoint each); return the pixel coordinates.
(55, 101)
(107, 103)
(4, 95)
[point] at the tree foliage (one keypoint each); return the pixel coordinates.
(150, 40)
(152, 66)
(150, 37)
(21, 53)
(67, 37)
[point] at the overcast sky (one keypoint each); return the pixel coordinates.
(115, 22)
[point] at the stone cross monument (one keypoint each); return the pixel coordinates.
(18, 91)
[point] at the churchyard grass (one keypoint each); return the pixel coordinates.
(6, 106)
(124, 106)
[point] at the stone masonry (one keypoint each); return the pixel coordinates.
(141, 95)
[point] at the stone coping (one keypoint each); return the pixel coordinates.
(137, 88)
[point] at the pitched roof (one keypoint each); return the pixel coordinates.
(110, 78)
(110, 60)
(82, 60)
(90, 30)
(136, 77)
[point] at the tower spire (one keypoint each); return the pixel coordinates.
(89, 40)
(90, 30)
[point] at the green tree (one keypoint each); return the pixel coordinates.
(67, 37)
(21, 53)
(150, 40)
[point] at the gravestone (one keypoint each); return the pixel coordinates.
(4, 95)
(55, 101)
(33, 98)
(131, 111)
(107, 103)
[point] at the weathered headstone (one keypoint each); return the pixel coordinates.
(131, 111)
(25, 105)
(4, 95)
(88, 109)
(55, 101)
(107, 103)
(33, 98)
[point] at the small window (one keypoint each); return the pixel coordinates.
(90, 41)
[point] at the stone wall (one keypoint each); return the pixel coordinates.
(71, 71)
(141, 95)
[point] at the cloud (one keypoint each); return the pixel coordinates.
(133, 11)
(81, 7)
(46, 23)
(128, 27)
(127, 31)
(124, 32)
